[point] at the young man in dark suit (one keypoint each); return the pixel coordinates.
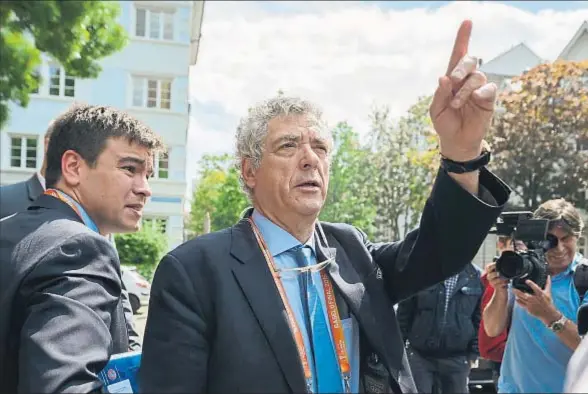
(19, 196)
(60, 282)
(283, 303)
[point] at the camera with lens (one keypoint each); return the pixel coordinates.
(530, 264)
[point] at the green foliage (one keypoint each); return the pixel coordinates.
(217, 194)
(351, 185)
(406, 159)
(142, 249)
(74, 33)
(540, 137)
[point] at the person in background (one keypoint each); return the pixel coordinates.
(543, 333)
(440, 326)
(492, 348)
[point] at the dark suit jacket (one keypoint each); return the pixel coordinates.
(18, 197)
(61, 312)
(216, 322)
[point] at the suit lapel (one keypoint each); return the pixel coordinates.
(34, 187)
(258, 286)
(352, 289)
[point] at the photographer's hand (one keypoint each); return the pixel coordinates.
(540, 304)
(495, 280)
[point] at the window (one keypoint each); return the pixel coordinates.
(60, 84)
(23, 152)
(161, 165)
(152, 92)
(157, 224)
(154, 24)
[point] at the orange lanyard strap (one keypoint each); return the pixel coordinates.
(332, 312)
(56, 194)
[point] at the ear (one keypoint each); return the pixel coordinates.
(71, 167)
(248, 172)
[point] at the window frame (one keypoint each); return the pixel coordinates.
(161, 14)
(142, 84)
(24, 148)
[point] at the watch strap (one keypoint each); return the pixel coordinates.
(461, 167)
(558, 325)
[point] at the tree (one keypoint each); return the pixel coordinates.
(217, 194)
(74, 33)
(351, 185)
(142, 249)
(540, 136)
(406, 159)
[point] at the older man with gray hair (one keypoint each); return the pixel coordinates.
(282, 302)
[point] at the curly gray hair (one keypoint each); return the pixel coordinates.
(253, 128)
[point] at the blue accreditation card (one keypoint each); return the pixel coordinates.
(120, 374)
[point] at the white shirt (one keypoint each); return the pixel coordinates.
(577, 373)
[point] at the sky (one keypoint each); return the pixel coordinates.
(350, 56)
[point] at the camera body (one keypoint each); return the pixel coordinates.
(520, 265)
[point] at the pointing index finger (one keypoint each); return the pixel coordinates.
(460, 47)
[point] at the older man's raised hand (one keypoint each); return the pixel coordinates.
(463, 103)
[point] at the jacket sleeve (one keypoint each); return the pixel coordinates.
(405, 314)
(453, 225)
(70, 296)
(176, 343)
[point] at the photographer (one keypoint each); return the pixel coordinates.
(543, 333)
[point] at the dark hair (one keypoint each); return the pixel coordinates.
(85, 130)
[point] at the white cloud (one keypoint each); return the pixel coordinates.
(346, 56)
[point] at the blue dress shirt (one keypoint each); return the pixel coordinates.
(279, 242)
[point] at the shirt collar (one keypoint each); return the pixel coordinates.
(276, 238)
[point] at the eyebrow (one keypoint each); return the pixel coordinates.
(130, 159)
(296, 138)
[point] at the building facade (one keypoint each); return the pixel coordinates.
(148, 79)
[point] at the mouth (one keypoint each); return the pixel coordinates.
(135, 207)
(309, 184)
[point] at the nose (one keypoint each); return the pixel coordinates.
(310, 159)
(142, 187)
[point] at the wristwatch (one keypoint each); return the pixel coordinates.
(460, 167)
(559, 324)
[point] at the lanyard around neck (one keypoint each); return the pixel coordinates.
(333, 314)
(77, 208)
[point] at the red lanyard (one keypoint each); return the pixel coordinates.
(332, 312)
